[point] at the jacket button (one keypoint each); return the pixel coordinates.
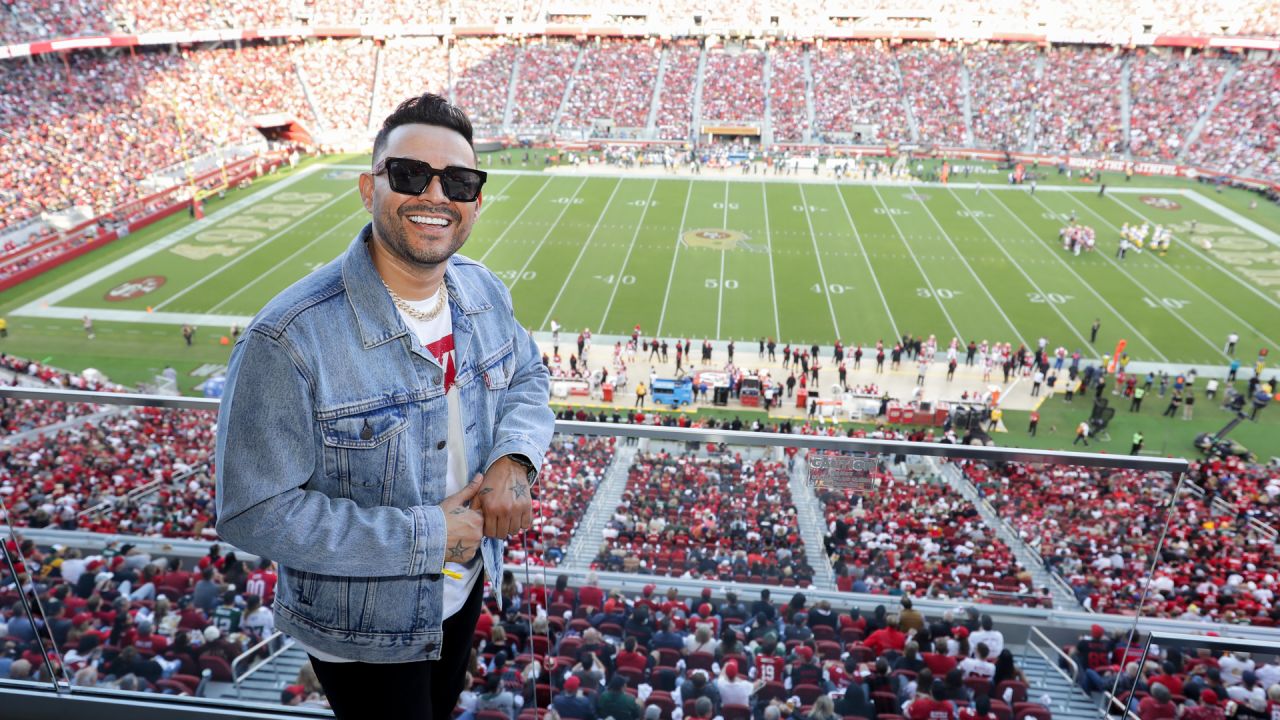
(440, 445)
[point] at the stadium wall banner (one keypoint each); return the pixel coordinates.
(57, 260)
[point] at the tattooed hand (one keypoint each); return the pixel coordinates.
(504, 499)
(463, 523)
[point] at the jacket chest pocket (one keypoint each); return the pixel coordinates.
(364, 449)
(495, 370)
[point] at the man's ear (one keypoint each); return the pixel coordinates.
(479, 201)
(365, 184)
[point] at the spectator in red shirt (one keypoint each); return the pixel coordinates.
(887, 638)
(1168, 679)
(1158, 705)
(146, 641)
(1201, 704)
(590, 595)
(930, 705)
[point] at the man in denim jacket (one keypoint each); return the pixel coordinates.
(382, 422)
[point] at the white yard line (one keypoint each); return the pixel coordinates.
(550, 229)
(1018, 266)
(674, 256)
(822, 273)
(1084, 283)
(923, 274)
(268, 272)
(720, 286)
(1178, 316)
(1252, 226)
(768, 242)
(969, 267)
(617, 281)
(1200, 290)
(862, 249)
(512, 223)
(249, 253)
(41, 305)
(568, 278)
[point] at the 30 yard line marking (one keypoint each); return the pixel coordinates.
(916, 260)
(667, 295)
(265, 243)
(513, 221)
(1197, 288)
(1018, 266)
(1137, 333)
(947, 236)
(858, 238)
(720, 287)
(550, 229)
(822, 273)
(621, 272)
(269, 272)
(768, 242)
(581, 252)
(1107, 256)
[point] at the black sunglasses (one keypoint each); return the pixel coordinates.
(411, 177)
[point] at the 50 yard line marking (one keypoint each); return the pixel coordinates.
(822, 274)
(621, 272)
(252, 250)
(858, 238)
(684, 214)
(1083, 282)
(578, 260)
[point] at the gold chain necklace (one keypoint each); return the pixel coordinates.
(413, 312)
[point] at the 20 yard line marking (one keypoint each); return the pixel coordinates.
(581, 252)
(618, 279)
(858, 238)
(912, 253)
(822, 273)
(671, 277)
(1083, 282)
(252, 250)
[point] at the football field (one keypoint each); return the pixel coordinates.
(802, 260)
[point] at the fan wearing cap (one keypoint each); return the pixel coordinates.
(381, 429)
(733, 688)
(571, 703)
(1249, 692)
(1201, 704)
(1093, 654)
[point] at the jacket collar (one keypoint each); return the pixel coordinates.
(376, 315)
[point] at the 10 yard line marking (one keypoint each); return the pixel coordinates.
(666, 295)
(516, 219)
(720, 287)
(923, 275)
(822, 274)
(1083, 282)
(621, 272)
(969, 267)
(1197, 288)
(252, 250)
(1144, 288)
(768, 241)
(858, 237)
(550, 229)
(581, 252)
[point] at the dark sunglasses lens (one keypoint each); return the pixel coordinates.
(461, 184)
(408, 176)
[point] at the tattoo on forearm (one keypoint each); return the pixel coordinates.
(458, 552)
(485, 491)
(520, 490)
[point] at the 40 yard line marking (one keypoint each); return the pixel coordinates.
(512, 223)
(768, 242)
(551, 310)
(550, 229)
(923, 274)
(858, 238)
(252, 250)
(621, 272)
(822, 274)
(684, 214)
(1144, 288)
(1119, 315)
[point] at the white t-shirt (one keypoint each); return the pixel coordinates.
(973, 667)
(994, 640)
(437, 337)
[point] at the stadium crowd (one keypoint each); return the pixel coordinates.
(616, 82)
(675, 111)
(1004, 95)
(733, 87)
(856, 84)
(931, 89)
(1159, 123)
(544, 74)
(788, 109)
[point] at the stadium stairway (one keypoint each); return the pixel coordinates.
(586, 539)
(379, 58)
(966, 103)
(568, 89)
(509, 111)
(1194, 135)
(808, 96)
(265, 683)
(1029, 130)
(813, 528)
(906, 104)
(697, 93)
(1065, 699)
(655, 103)
(1063, 598)
(1126, 106)
(324, 121)
(766, 125)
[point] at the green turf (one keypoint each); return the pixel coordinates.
(816, 262)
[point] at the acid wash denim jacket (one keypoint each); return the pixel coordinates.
(331, 452)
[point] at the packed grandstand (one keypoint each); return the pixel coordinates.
(1020, 535)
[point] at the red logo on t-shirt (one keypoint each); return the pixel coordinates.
(442, 350)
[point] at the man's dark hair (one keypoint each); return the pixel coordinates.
(426, 109)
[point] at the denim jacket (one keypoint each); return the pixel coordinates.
(331, 451)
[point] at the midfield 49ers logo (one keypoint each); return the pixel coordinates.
(135, 288)
(1162, 203)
